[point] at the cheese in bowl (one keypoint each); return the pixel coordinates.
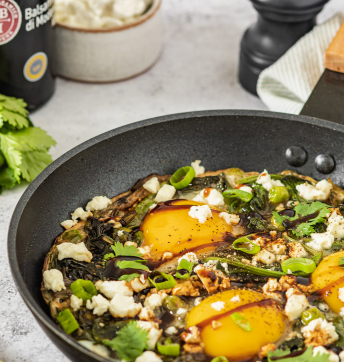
(204, 266)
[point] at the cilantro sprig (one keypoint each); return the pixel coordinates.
(130, 342)
(281, 355)
(127, 250)
(302, 210)
(23, 148)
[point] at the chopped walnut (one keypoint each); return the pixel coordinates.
(146, 314)
(193, 337)
(273, 234)
(213, 280)
(287, 281)
(248, 262)
(277, 247)
(319, 332)
(296, 250)
(307, 289)
(215, 325)
(145, 251)
(266, 349)
(272, 286)
(189, 288)
(193, 348)
(274, 295)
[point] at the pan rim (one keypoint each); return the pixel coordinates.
(31, 189)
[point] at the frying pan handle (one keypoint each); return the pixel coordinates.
(327, 98)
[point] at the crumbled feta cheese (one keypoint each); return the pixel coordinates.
(120, 233)
(320, 192)
(99, 304)
(155, 300)
(218, 305)
(321, 241)
(211, 264)
(68, 224)
(112, 288)
(214, 198)
(323, 307)
(196, 166)
(235, 299)
(319, 332)
(165, 193)
(171, 330)
(146, 314)
(191, 257)
(148, 356)
(201, 213)
(197, 301)
(281, 258)
(181, 311)
(265, 180)
(246, 189)
(336, 225)
(341, 356)
(98, 203)
(77, 252)
(138, 286)
(341, 312)
(152, 207)
(264, 257)
(152, 185)
(321, 350)
(225, 266)
(122, 306)
(53, 280)
(341, 294)
(296, 304)
(96, 348)
(79, 213)
(153, 333)
(231, 219)
(296, 250)
(75, 302)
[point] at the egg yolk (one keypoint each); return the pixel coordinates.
(328, 278)
(170, 228)
(228, 338)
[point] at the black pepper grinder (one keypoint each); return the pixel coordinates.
(27, 50)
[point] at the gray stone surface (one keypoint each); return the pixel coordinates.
(197, 70)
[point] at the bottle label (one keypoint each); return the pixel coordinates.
(10, 20)
(35, 67)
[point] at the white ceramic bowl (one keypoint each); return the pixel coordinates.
(110, 55)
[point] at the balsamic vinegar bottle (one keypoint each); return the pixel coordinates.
(27, 50)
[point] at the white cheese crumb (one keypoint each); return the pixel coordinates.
(152, 185)
(155, 300)
(153, 333)
(323, 307)
(76, 302)
(323, 327)
(99, 304)
(225, 266)
(246, 189)
(320, 192)
(148, 356)
(171, 330)
(111, 288)
(296, 304)
(181, 311)
(68, 224)
(321, 241)
(341, 356)
(122, 306)
(321, 350)
(98, 203)
(231, 219)
(53, 280)
(341, 312)
(165, 193)
(96, 348)
(336, 225)
(197, 301)
(264, 257)
(196, 166)
(235, 299)
(265, 180)
(201, 213)
(191, 257)
(341, 294)
(214, 198)
(77, 252)
(138, 286)
(218, 305)
(296, 250)
(152, 207)
(120, 232)
(79, 213)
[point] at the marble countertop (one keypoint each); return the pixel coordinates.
(197, 71)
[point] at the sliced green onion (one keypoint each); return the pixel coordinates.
(184, 265)
(236, 245)
(219, 359)
(317, 258)
(177, 179)
(168, 348)
(67, 321)
(251, 179)
(303, 265)
(166, 284)
(241, 321)
(83, 289)
(243, 195)
(72, 235)
(245, 268)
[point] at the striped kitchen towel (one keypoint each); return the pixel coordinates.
(286, 85)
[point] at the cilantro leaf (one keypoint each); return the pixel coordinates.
(308, 209)
(130, 342)
(7, 178)
(128, 250)
(125, 264)
(11, 154)
(107, 257)
(16, 120)
(33, 163)
(14, 104)
(129, 277)
(306, 356)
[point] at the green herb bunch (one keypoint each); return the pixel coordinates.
(23, 147)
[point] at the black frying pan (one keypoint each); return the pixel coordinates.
(112, 162)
